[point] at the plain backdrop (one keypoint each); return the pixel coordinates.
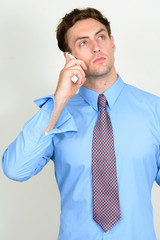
(30, 62)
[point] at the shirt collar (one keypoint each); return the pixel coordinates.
(111, 94)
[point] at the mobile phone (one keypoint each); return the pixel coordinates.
(74, 78)
(71, 56)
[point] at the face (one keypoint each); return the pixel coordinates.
(89, 41)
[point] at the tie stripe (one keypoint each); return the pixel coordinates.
(106, 207)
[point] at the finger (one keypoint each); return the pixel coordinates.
(78, 74)
(80, 82)
(76, 71)
(71, 62)
(80, 69)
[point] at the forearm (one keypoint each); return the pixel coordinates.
(59, 105)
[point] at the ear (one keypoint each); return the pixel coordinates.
(113, 44)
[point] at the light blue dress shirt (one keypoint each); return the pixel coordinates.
(135, 117)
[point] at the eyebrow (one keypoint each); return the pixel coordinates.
(82, 37)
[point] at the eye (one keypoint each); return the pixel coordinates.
(101, 37)
(83, 43)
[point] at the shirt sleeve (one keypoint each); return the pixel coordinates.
(32, 150)
(158, 160)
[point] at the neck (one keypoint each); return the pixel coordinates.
(101, 83)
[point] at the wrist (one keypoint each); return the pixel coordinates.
(61, 98)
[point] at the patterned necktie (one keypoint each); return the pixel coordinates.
(106, 207)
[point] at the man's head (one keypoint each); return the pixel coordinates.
(71, 18)
(87, 35)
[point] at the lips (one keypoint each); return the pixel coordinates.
(99, 59)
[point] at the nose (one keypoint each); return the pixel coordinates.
(95, 47)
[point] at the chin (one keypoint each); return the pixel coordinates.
(99, 72)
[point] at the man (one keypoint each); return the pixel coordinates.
(98, 199)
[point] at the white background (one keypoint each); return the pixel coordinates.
(30, 62)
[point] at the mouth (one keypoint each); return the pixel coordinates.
(99, 59)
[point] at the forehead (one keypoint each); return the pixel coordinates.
(86, 27)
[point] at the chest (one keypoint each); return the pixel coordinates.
(135, 141)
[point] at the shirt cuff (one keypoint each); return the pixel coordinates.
(65, 122)
(33, 129)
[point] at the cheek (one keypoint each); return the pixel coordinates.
(85, 58)
(82, 53)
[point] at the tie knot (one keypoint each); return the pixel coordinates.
(102, 100)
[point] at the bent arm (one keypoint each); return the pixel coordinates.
(32, 149)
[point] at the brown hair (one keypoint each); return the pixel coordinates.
(71, 18)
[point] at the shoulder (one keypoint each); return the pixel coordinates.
(144, 101)
(140, 94)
